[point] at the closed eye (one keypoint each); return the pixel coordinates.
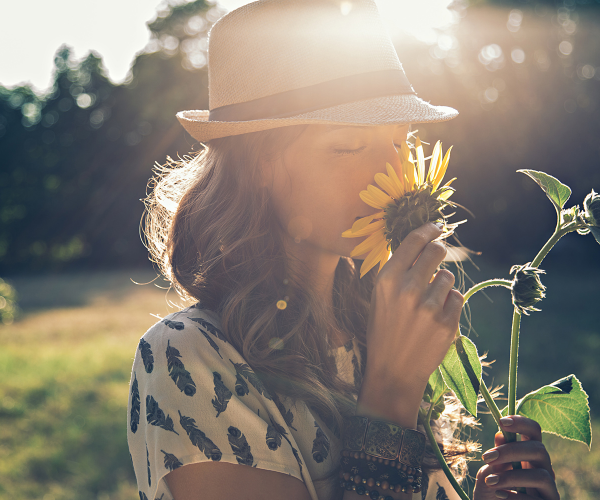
(356, 151)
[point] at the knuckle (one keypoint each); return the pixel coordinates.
(436, 249)
(418, 238)
(446, 277)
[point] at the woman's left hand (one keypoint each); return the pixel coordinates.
(496, 479)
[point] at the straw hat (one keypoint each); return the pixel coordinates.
(275, 63)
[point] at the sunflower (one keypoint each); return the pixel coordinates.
(406, 201)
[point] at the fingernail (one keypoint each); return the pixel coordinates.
(439, 225)
(489, 456)
(507, 421)
(492, 479)
(501, 494)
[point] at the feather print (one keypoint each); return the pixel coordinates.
(148, 463)
(244, 370)
(287, 415)
(240, 446)
(212, 343)
(424, 485)
(175, 325)
(142, 495)
(178, 373)
(199, 439)
(147, 357)
(273, 438)
(155, 416)
(222, 394)
(441, 493)
(210, 328)
(241, 387)
(171, 461)
(298, 459)
(135, 405)
(320, 448)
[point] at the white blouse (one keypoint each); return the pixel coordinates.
(193, 399)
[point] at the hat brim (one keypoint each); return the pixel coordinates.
(389, 110)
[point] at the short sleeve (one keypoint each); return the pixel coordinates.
(193, 399)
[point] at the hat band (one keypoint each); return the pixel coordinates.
(322, 95)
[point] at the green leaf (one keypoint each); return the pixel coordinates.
(558, 192)
(437, 384)
(560, 408)
(461, 370)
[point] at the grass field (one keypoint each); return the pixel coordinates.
(65, 367)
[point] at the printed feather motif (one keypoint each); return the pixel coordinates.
(155, 416)
(320, 449)
(148, 462)
(142, 495)
(287, 415)
(241, 387)
(212, 343)
(240, 446)
(134, 421)
(199, 439)
(222, 394)
(244, 370)
(178, 373)
(171, 461)
(210, 328)
(441, 493)
(297, 455)
(147, 357)
(273, 438)
(175, 325)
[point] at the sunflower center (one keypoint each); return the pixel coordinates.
(410, 211)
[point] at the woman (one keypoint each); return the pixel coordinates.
(249, 392)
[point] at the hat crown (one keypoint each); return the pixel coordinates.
(273, 46)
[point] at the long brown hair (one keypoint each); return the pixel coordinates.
(211, 229)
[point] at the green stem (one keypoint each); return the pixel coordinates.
(558, 234)
(440, 457)
(484, 284)
(491, 404)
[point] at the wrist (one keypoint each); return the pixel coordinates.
(398, 404)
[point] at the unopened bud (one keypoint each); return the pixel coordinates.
(591, 205)
(527, 289)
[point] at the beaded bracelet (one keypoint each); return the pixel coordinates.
(382, 454)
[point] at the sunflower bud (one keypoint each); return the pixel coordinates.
(592, 208)
(527, 289)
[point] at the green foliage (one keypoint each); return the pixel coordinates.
(436, 387)
(560, 408)
(461, 370)
(8, 302)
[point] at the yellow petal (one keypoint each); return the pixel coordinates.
(369, 200)
(446, 195)
(379, 196)
(420, 162)
(372, 258)
(387, 185)
(385, 256)
(395, 179)
(365, 221)
(408, 167)
(442, 171)
(371, 228)
(434, 163)
(369, 244)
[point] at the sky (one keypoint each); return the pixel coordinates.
(116, 29)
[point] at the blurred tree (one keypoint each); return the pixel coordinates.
(75, 161)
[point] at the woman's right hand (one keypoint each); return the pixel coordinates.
(413, 320)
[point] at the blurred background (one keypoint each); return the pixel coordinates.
(78, 142)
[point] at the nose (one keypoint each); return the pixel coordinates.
(387, 150)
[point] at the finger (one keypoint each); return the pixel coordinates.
(438, 289)
(522, 425)
(533, 452)
(428, 261)
(412, 246)
(453, 306)
(539, 479)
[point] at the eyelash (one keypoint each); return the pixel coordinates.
(355, 151)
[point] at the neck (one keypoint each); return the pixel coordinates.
(317, 267)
